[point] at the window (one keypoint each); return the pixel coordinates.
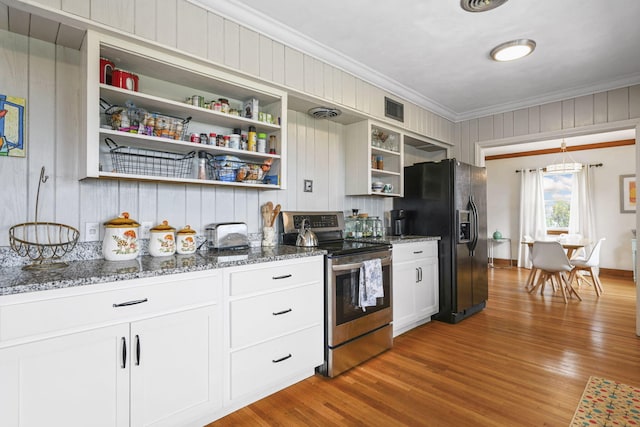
(557, 201)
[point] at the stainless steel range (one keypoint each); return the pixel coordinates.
(352, 334)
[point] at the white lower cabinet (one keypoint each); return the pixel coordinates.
(156, 369)
(175, 370)
(415, 284)
(72, 380)
(174, 350)
(275, 334)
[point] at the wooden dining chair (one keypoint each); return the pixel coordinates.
(590, 266)
(552, 262)
(532, 274)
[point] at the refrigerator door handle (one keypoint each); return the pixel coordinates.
(476, 227)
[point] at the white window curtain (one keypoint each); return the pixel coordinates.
(532, 218)
(582, 212)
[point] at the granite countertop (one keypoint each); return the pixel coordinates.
(16, 280)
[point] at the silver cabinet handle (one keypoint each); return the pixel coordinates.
(278, 313)
(125, 304)
(417, 275)
(417, 252)
(282, 358)
(285, 276)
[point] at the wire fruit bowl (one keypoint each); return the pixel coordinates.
(43, 242)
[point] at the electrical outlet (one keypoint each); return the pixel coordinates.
(308, 186)
(91, 231)
(145, 231)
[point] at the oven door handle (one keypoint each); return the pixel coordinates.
(358, 265)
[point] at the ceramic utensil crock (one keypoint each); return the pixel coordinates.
(120, 241)
(162, 240)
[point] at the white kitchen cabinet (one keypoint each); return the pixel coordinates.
(415, 284)
(166, 80)
(70, 380)
(275, 333)
(374, 153)
(128, 356)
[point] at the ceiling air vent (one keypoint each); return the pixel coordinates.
(393, 109)
(324, 112)
(480, 5)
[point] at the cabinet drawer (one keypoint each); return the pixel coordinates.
(276, 275)
(135, 298)
(262, 317)
(410, 251)
(266, 364)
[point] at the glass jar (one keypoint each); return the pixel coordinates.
(350, 225)
(272, 144)
(376, 227)
(367, 227)
(224, 105)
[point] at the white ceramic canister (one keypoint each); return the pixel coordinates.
(120, 241)
(162, 240)
(186, 240)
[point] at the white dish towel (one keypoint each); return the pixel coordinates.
(370, 283)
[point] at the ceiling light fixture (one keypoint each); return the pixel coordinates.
(480, 5)
(514, 49)
(564, 166)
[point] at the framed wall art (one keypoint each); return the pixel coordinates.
(12, 126)
(627, 193)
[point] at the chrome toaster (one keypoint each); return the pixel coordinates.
(227, 235)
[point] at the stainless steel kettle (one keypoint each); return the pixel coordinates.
(306, 237)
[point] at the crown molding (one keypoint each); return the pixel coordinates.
(562, 95)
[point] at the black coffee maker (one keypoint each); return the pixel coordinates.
(398, 222)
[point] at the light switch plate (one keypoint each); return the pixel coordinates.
(91, 231)
(308, 186)
(145, 229)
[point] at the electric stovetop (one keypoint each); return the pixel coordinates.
(329, 227)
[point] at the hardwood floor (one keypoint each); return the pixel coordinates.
(523, 361)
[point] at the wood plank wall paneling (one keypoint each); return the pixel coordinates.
(192, 29)
(604, 107)
(4, 17)
(78, 7)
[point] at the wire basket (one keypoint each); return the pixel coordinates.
(132, 119)
(43, 242)
(142, 161)
(232, 169)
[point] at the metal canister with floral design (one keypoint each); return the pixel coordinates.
(186, 240)
(120, 241)
(162, 240)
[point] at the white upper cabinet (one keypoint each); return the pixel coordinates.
(139, 124)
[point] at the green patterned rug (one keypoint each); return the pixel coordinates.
(608, 403)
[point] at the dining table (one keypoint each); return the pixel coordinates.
(570, 245)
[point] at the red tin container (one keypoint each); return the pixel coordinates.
(106, 70)
(125, 80)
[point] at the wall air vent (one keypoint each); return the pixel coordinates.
(480, 5)
(393, 109)
(324, 112)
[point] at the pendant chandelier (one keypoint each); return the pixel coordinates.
(566, 163)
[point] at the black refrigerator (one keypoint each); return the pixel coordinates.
(448, 198)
